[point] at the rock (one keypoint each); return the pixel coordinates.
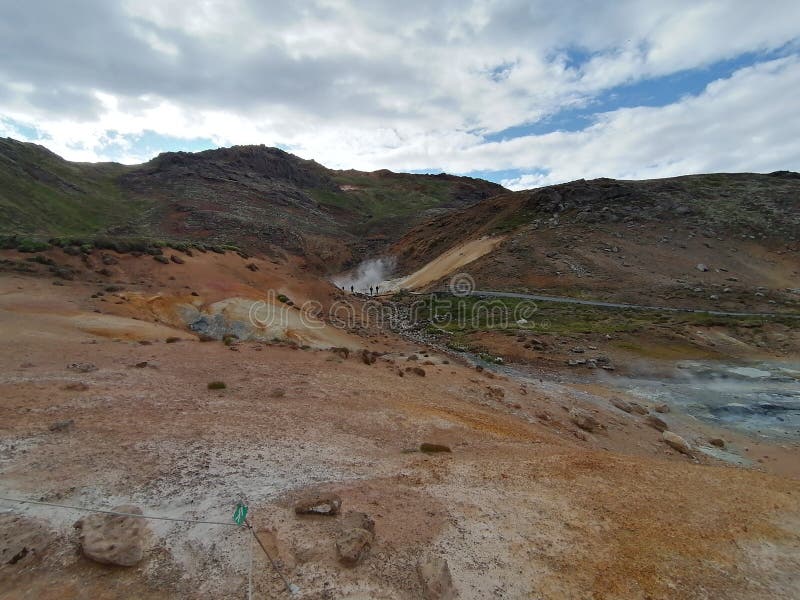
(638, 409)
(113, 539)
(677, 442)
(161, 258)
(718, 442)
(62, 425)
(252, 266)
(177, 259)
(367, 357)
(662, 408)
(353, 544)
(416, 370)
(432, 448)
(621, 404)
(358, 520)
(437, 583)
(82, 367)
(584, 420)
(77, 386)
(656, 423)
(701, 267)
(318, 504)
(22, 539)
(341, 352)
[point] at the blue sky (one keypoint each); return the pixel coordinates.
(522, 93)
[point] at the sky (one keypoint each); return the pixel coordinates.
(524, 93)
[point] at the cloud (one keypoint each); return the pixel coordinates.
(409, 85)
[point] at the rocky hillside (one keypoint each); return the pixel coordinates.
(250, 196)
(701, 239)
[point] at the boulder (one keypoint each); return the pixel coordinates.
(621, 404)
(113, 539)
(656, 423)
(318, 504)
(584, 420)
(662, 408)
(677, 442)
(701, 267)
(717, 442)
(353, 544)
(435, 579)
(358, 520)
(638, 409)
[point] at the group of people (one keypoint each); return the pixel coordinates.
(373, 290)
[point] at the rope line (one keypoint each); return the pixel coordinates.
(114, 512)
(289, 587)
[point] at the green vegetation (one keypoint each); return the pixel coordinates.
(40, 193)
(455, 316)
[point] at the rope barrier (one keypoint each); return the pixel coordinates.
(291, 588)
(122, 514)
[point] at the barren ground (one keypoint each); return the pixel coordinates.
(525, 506)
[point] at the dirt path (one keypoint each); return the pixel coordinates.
(567, 300)
(447, 263)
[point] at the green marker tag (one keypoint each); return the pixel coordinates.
(240, 513)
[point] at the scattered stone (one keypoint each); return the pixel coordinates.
(367, 357)
(328, 504)
(113, 539)
(358, 520)
(141, 365)
(584, 420)
(662, 408)
(177, 259)
(162, 259)
(416, 370)
(677, 442)
(252, 266)
(621, 404)
(22, 539)
(65, 425)
(341, 352)
(82, 367)
(656, 423)
(353, 544)
(701, 267)
(638, 409)
(432, 448)
(437, 583)
(77, 386)
(496, 393)
(718, 442)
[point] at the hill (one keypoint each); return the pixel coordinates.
(719, 240)
(253, 197)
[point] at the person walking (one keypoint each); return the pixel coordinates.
(370, 290)
(352, 290)
(377, 290)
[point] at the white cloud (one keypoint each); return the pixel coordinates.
(397, 85)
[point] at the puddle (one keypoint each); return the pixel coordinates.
(761, 399)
